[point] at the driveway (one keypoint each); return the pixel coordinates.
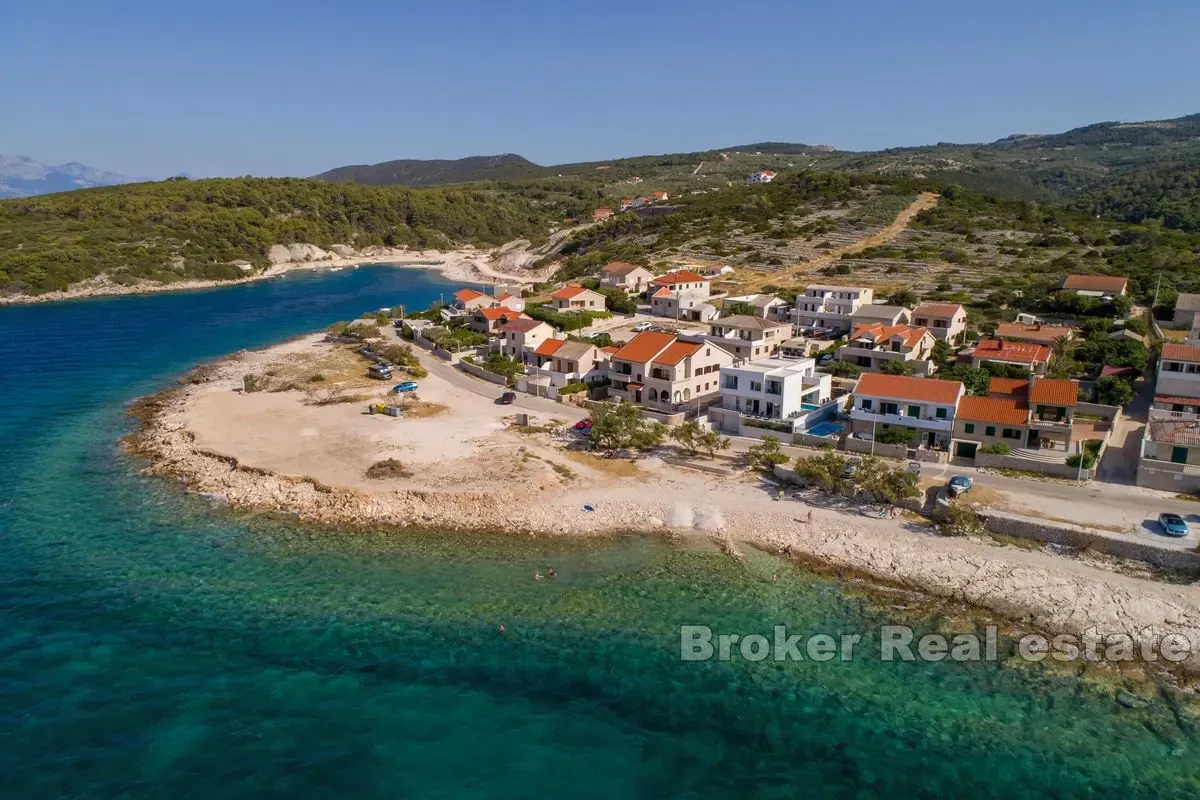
(1119, 464)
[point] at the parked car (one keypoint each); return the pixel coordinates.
(642, 326)
(825, 360)
(850, 468)
(1173, 524)
(914, 468)
(960, 484)
(380, 371)
(507, 398)
(407, 386)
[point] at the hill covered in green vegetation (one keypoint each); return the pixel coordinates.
(180, 229)
(436, 172)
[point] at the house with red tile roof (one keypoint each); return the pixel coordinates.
(659, 196)
(1095, 285)
(762, 176)
(682, 294)
(509, 301)
(872, 345)
(946, 321)
(626, 203)
(1027, 355)
(567, 361)
(1178, 371)
(488, 319)
(1035, 415)
(1036, 333)
(517, 339)
(630, 277)
(667, 373)
(601, 214)
(924, 406)
(576, 298)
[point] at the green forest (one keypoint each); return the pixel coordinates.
(180, 228)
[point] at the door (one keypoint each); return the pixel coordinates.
(1179, 455)
(966, 449)
(929, 440)
(1033, 438)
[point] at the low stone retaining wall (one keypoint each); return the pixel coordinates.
(437, 350)
(983, 459)
(480, 372)
(808, 440)
(1068, 535)
(931, 456)
(885, 450)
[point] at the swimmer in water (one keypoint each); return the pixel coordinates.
(501, 628)
(537, 576)
(551, 573)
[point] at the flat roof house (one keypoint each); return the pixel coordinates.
(872, 345)
(1186, 308)
(749, 338)
(826, 306)
(576, 298)
(923, 405)
(1035, 333)
(1033, 357)
(667, 373)
(946, 321)
(774, 388)
(767, 306)
(1095, 285)
(629, 277)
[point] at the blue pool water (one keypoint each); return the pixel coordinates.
(825, 429)
(808, 407)
(153, 646)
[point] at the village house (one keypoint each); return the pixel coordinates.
(1170, 450)
(509, 301)
(576, 298)
(711, 270)
(766, 306)
(823, 306)
(871, 346)
(1178, 375)
(667, 373)
(1095, 285)
(1035, 333)
(659, 196)
(682, 295)
(799, 347)
(946, 321)
(1187, 312)
(640, 201)
(630, 277)
(518, 339)
(747, 337)
(626, 203)
(488, 320)
(883, 314)
(762, 176)
(470, 299)
(774, 388)
(924, 406)
(601, 214)
(1026, 355)
(565, 361)
(1036, 416)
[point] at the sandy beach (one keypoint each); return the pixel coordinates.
(466, 467)
(510, 264)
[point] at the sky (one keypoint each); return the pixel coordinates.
(294, 88)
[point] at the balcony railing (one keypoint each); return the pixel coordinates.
(1050, 424)
(927, 422)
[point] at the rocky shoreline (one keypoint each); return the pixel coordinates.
(1046, 592)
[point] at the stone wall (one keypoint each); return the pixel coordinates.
(480, 372)
(1068, 535)
(886, 450)
(983, 459)
(808, 440)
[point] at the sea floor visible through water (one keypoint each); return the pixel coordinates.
(156, 644)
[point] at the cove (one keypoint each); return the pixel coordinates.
(154, 645)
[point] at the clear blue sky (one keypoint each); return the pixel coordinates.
(294, 88)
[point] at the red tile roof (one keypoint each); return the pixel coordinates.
(1043, 334)
(1000, 410)
(903, 387)
(879, 333)
(1175, 431)
(504, 296)
(1181, 352)
(498, 312)
(679, 276)
(677, 352)
(1053, 392)
(1018, 352)
(549, 347)
(465, 295)
(610, 349)
(521, 324)
(663, 292)
(1177, 400)
(1095, 283)
(660, 195)
(645, 346)
(939, 310)
(619, 268)
(998, 386)
(567, 292)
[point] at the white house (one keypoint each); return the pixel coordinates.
(749, 337)
(577, 298)
(774, 388)
(946, 321)
(519, 338)
(762, 176)
(767, 306)
(924, 405)
(682, 295)
(566, 361)
(824, 306)
(630, 277)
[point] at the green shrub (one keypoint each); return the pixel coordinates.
(572, 388)
(996, 448)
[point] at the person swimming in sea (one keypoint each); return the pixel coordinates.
(537, 576)
(551, 573)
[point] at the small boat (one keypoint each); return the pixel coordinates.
(335, 269)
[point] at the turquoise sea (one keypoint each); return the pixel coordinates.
(153, 646)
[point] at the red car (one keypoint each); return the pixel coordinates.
(584, 424)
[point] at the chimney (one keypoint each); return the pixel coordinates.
(1037, 326)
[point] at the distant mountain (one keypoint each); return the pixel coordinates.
(21, 176)
(416, 172)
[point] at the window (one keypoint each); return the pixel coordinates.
(939, 413)
(1174, 366)
(969, 427)
(731, 382)
(914, 411)
(1179, 455)
(866, 404)
(1012, 433)
(990, 430)
(889, 408)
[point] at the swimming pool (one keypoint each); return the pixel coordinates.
(825, 429)
(808, 407)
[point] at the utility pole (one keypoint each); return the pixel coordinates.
(1157, 284)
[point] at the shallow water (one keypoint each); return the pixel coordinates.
(155, 646)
